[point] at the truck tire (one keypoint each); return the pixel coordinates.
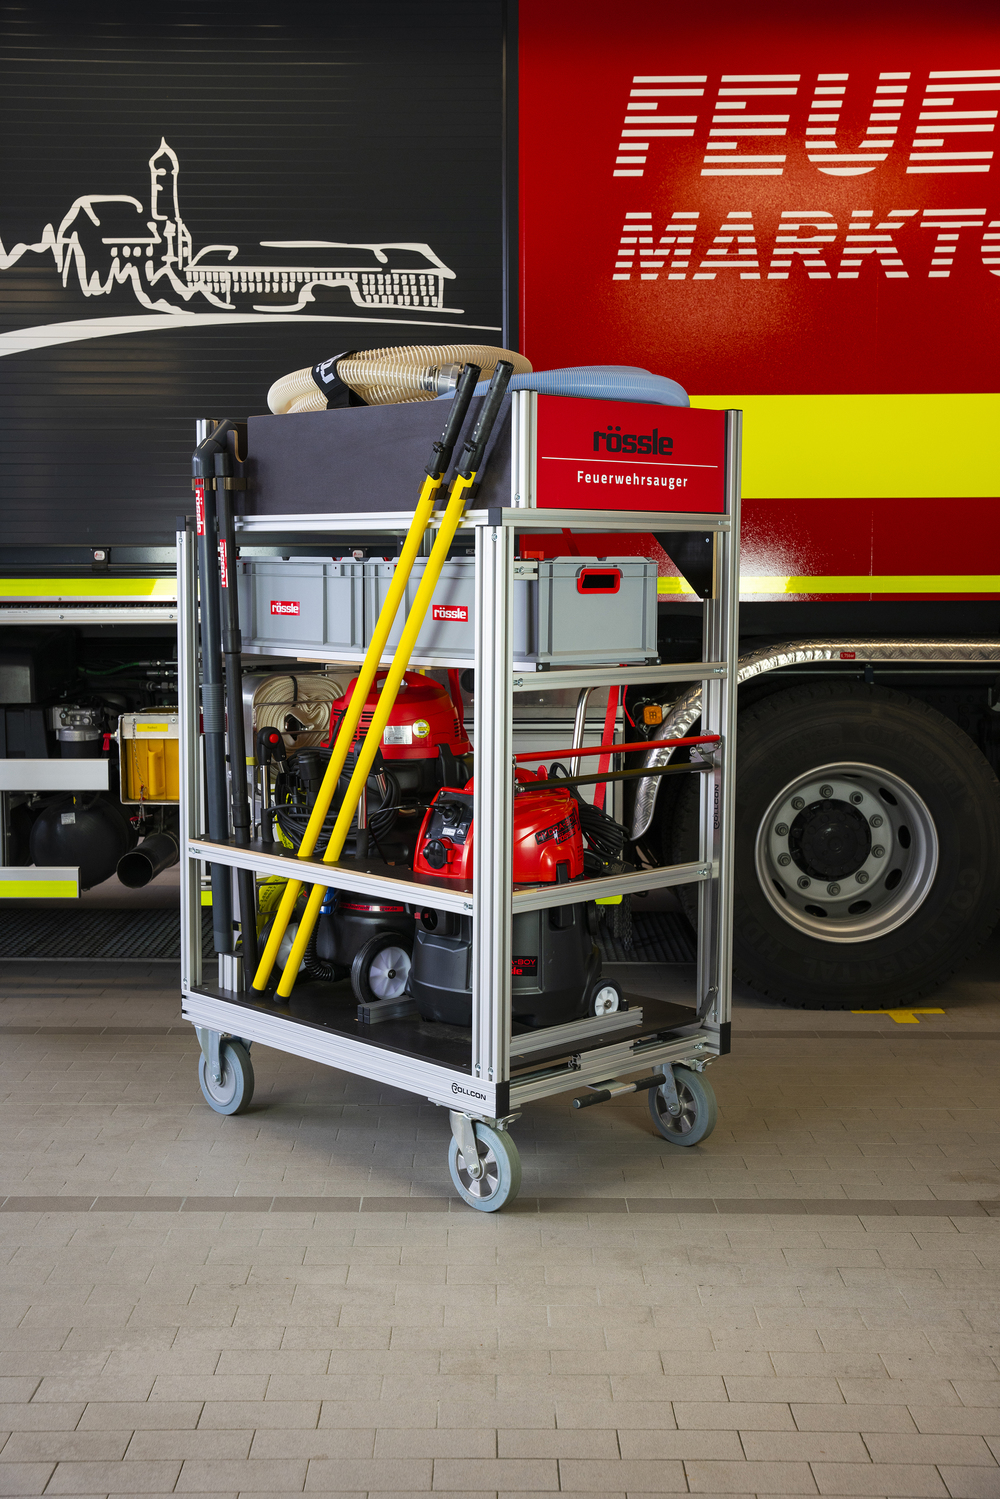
(867, 838)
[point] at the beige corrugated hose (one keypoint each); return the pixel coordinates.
(383, 377)
(306, 698)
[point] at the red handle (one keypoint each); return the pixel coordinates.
(598, 580)
(619, 749)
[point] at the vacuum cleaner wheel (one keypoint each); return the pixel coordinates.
(381, 968)
(606, 998)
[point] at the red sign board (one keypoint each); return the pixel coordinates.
(616, 455)
(456, 613)
(284, 606)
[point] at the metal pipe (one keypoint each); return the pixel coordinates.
(232, 649)
(580, 725)
(212, 706)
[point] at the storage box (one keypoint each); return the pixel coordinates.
(148, 746)
(301, 603)
(568, 611)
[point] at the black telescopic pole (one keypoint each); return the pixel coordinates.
(232, 646)
(213, 708)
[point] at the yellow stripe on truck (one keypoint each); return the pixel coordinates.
(867, 447)
(39, 890)
(960, 583)
(150, 590)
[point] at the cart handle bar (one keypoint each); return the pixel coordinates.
(683, 769)
(619, 749)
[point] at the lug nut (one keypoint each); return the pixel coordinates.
(876, 821)
(862, 877)
(826, 791)
(803, 883)
(798, 803)
(833, 889)
(878, 851)
(857, 798)
(784, 859)
(781, 829)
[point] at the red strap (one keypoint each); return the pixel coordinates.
(455, 688)
(604, 763)
(574, 550)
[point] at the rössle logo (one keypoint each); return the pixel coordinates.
(284, 606)
(633, 442)
(454, 612)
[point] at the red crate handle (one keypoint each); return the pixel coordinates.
(608, 573)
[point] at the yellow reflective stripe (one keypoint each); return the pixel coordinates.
(961, 583)
(152, 589)
(38, 889)
(867, 446)
(206, 897)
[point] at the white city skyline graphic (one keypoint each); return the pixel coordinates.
(110, 241)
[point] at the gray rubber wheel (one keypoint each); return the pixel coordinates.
(699, 1110)
(233, 1094)
(501, 1178)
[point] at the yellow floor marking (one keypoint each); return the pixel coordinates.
(901, 1017)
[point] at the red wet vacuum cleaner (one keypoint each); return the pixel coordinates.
(555, 962)
(423, 749)
(556, 971)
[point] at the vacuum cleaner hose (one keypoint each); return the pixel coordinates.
(605, 382)
(383, 377)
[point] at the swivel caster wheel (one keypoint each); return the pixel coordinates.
(500, 1180)
(232, 1094)
(698, 1109)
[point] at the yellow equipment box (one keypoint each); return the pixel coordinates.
(148, 746)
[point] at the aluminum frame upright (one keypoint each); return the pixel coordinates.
(493, 805)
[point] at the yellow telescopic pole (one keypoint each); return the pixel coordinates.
(436, 471)
(446, 534)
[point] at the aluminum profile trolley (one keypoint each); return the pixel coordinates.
(485, 1076)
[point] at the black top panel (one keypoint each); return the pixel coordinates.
(197, 202)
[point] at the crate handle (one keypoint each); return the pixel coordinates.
(598, 580)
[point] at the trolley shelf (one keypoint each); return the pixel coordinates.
(369, 877)
(332, 1008)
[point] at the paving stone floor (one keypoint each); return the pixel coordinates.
(806, 1304)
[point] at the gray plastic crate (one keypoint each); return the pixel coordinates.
(569, 611)
(302, 603)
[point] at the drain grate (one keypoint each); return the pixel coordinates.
(657, 937)
(82, 935)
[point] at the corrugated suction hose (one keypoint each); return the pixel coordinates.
(384, 377)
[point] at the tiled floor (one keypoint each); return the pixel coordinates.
(808, 1303)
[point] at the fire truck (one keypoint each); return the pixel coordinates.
(796, 214)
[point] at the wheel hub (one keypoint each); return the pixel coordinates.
(389, 971)
(829, 840)
(846, 852)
